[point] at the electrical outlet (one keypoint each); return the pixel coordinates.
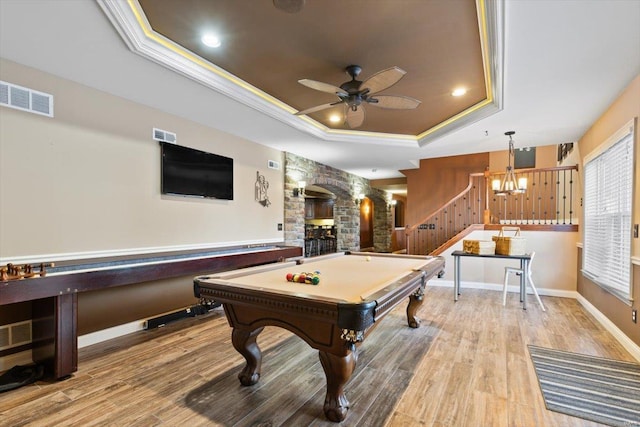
(279, 226)
(635, 230)
(634, 315)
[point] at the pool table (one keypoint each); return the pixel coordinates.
(355, 291)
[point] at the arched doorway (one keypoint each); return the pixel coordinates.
(320, 234)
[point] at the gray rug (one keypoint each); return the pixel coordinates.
(593, 388)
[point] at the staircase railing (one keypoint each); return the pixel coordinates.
(452, 218)
(550, 200)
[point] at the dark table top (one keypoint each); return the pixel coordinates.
(462, 253)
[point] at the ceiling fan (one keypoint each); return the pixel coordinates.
(355, 93)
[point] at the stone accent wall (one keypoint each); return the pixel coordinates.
(346, 211)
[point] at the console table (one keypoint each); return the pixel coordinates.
(524, 265)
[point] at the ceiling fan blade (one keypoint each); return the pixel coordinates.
(323, 87)
(383, 79)
(354, 119)
(317, 108)
(394, 102)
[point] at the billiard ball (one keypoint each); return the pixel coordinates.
(368, 258)
(289, 277)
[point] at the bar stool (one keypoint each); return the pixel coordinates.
(310, 246)
(528, 280)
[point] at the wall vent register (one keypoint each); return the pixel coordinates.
(164, 136)
(15, 334)
(25, 99)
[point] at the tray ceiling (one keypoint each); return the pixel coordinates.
(442, 45)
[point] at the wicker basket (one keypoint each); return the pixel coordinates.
(514, 245)
(479, 247)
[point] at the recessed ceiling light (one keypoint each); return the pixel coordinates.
(335, 118)
(459, 91)
(211, 40)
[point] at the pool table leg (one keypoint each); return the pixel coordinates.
(338, 370)
(415, 301)
(244, 341)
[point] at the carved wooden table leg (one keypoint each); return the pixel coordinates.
(415, 301)
(244, 341)
(338, 370)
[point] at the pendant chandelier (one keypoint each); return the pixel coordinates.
(509, 183)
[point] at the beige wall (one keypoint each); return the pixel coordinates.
(87, 182)
(625, 108)
(88, 179)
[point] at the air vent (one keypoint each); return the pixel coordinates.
(15, 334)
(273, 164)
(164, 136)
(25, 99)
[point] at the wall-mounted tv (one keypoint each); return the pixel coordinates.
(190, 172)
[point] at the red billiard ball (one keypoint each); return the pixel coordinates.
(289, 277)
(302, 278)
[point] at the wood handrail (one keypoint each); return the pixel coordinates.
(553, 169)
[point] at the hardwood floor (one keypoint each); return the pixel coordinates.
(467, 365)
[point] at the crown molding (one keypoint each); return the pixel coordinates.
(130, 22)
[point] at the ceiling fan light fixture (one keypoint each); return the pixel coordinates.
(335, 118)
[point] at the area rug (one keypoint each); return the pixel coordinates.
(593, 388)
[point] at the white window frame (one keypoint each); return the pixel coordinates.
(608, 213)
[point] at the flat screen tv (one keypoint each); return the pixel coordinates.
(190, 172)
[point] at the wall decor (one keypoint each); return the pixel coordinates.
(262, 185)
(564, 150)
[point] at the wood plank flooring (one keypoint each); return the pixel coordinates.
(467, 365)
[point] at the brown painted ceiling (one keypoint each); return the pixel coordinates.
(436, 42)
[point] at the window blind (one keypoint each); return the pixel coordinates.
(608, 201)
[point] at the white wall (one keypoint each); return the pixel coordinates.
(554, 266)
(87, 182)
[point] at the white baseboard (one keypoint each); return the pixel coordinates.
(110, 333)
(498, 287)
(626, 342)
(116, 331)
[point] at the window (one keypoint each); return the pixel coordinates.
(608, 201)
